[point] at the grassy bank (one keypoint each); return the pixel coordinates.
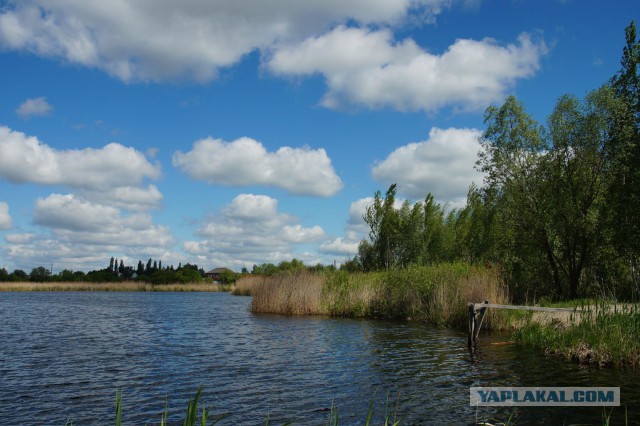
(599, 334)
(119, 286)
(435, 294)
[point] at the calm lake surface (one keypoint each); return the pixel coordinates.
(63, 355)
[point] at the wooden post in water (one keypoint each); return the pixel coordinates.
(475, 321)
(472, 323)
(480, 318)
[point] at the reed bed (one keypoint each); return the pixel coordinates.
(245, 284)
(436, 294)
(116, 286)
(296, 293)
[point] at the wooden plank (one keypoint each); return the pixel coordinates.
(526, 308)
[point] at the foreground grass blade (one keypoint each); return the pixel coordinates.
(118, 407)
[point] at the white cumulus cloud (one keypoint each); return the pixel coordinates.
(340, 247)
(300, 234)
(369, 68)
(71, 213)
(79, 234)
(5, 218)
(245, 161)
(114, 172)
(251, 230)
(75, 219)
(167, 40)
(443, 165)
(34, 107)
(132, 198)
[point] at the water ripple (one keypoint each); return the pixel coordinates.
(63, 355)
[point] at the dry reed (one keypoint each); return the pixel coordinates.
(245, 284)
(295, 293)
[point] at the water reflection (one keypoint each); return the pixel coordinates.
(64, 354)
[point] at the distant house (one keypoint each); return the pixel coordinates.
(214, 274)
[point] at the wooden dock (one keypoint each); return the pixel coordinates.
(477, 312)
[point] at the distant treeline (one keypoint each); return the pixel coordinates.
(152, 272)
(559, 210)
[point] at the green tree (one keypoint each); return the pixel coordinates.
(352, 265)
(383, 221)
(478, 227)
(626, 82)
(228, 277)
(432, 230)
(552, 182)
(19, 275)
(188, 274)
(624, 188)
(39, 274)
(293, 265)
(66, 275)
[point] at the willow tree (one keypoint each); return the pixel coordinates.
(513, 160)
(552, 180)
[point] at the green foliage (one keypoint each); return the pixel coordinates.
(39, 274)
(18, 275)
(412, 234)
(229, 277)
(102, 276)
(187, 274)
(269, 269)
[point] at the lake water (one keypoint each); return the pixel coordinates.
(63, 355)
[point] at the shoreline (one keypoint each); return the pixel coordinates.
(125, 286)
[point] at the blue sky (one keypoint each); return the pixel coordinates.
(228, 133)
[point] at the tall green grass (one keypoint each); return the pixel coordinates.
(599, 334)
